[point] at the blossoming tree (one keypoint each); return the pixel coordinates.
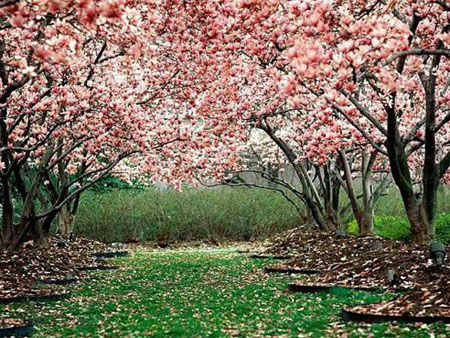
(379, 66)
(86, 86)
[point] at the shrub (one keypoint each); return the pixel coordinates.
(443, 228)
(193, 214)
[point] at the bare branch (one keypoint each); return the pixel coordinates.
(443, 4)
(413, 131)
(6, 3)
(164, 85)
(444, 165)
(254, 185)
(360, 129)
(104, 172)
(366, 114)
(418, 51)
(444, 121)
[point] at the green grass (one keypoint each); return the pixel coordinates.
(193, 214)
(397, 227)
(202, 294)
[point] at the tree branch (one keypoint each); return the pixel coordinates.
(418, 51)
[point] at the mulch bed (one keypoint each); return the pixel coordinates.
(363, 314)
(367, 263)
(15, 328)
(317, 250)
(427, 305)
(354, 261)
(22, 268)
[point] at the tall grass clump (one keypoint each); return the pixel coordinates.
(192, 214)
(391, 203)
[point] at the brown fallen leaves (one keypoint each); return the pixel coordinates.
(6, 323)
(21, 269)
(370, 262)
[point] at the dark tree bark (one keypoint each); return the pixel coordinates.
(323, 212)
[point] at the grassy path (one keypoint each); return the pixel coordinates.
(201, 294)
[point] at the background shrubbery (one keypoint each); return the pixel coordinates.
(238, 213)
(114, 212)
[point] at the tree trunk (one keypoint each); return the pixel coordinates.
(316, 214)
(38, 235)
(66, 222)
(421, 211)
(332, 219)
(306, 217)
(20, 232)
(419, 225)
(363, 215)
(7, 237)
(365, 223)
(367, 210)
(7, 212)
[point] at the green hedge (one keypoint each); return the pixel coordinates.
(398, 227)
(193, 214)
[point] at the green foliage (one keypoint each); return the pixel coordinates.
(115, 211)
(203, 293)
(386, 226)
(193, 214)
(443, 228)
(113, 183)
(398, 227)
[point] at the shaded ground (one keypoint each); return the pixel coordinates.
(201, 293)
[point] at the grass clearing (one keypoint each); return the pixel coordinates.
(202, 293)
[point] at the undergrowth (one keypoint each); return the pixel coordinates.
(207, 293)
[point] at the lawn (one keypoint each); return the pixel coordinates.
(201, 293)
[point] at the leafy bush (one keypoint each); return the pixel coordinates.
(398, 227)
(111, 183)
(125, 215)
(114, 211)
(443, 228)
